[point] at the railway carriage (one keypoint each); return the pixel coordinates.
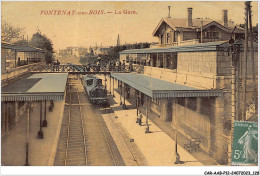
(95, 90)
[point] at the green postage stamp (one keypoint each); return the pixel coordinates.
(245, 143)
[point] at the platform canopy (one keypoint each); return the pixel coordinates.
(37, 87)
(157, 88)
(5, 45)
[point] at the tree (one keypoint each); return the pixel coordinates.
(21, 42)
(10, 33)
(41, 41)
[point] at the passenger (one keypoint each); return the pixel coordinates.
(131, 66)
(58, 63)
(123, 66)
(88, 66)
(119, 66)
(140, 118)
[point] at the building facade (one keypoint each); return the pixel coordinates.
(183, 59)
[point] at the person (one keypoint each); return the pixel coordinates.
(246, 140)
(109, 65)
(58, 63)
(119, 66)
(19, 62)
(88, 66)
(123, 65)
(98, 66)
(131, 66)
(140, 118)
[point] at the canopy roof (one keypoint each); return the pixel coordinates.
(157, 88)
(37, 87)
(17, 48)
(210, 46)
(201, 47)
(180, 24)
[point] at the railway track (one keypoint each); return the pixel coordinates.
(71, 149)
(84, 136)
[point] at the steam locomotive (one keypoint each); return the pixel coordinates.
(95, 90)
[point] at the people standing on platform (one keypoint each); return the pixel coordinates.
(140, 118)
(98, 66)
(119, 66)
(123, 66)
(58, 63)
(88, 66)
(131, 66)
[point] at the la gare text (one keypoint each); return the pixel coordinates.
(89, 12)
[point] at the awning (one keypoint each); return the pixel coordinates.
(37, 87)
(5, 45)
(201, 47)
(157, 88)
(210, 46)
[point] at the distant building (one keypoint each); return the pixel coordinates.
(74, 51)
(99, 50)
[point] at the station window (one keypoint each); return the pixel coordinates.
(168, 37)
(211, 35)
(162, 39)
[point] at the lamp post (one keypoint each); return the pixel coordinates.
(137, 97)
(147, 125)
(113, 87)
(27, 134)
(109, 84)
(177, 156)
(44, 123)
(40, 133)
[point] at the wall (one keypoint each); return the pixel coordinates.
(201, 118)
(15, 73)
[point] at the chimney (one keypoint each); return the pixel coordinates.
(190, 17)
(169, 15)
(225, 18)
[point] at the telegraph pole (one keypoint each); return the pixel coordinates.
(252, 56)
(245, 63)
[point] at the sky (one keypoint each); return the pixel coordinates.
(70, 28)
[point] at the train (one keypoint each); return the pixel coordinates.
(94, 89)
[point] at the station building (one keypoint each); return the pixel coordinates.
(187, 81)
(16, 63)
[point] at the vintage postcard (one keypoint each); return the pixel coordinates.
(130, 83)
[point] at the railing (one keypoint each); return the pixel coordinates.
(15, 73)
(181, 43)
(70, 68)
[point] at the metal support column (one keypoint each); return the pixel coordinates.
(124, 94)
(147, 106)
(40, 133)
(109, 84)
(106, 83)
(44, 123)
(113, 87)
(137, 99)
(27, 135)
(121, 93)
(177, 156)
